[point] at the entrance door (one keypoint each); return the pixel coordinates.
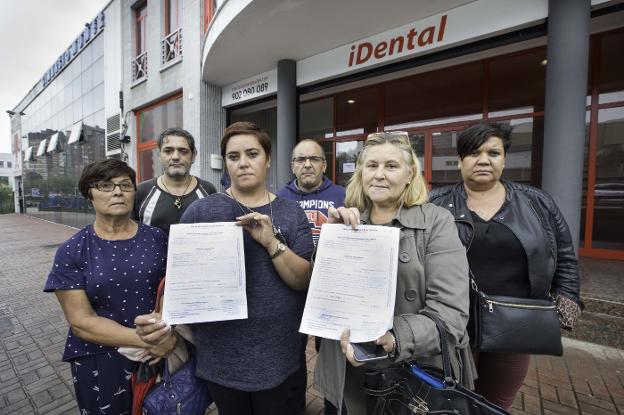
(346, 156)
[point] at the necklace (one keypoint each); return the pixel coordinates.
(178, 202)
(277, 232)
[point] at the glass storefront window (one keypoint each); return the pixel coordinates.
(346, 156)
(517, 83)
(328, 149)
(608, 229)
(316, 119)
(356, 111)
(452, 92)
(444, 168)
(417, 140)
(152, 122)
(611, 68)
(150, 164)
(527, 133)
(155, 120)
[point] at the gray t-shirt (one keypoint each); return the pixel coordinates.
(261, 351)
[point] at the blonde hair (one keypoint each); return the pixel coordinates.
(415, 192)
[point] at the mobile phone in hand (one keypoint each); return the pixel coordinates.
(368, 352)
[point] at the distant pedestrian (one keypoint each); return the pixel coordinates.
(104, 276)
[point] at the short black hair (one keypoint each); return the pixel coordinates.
(473, 137)
(177, 132)
(103, 170)
(246, 128)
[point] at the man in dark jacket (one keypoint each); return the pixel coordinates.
(315, 193)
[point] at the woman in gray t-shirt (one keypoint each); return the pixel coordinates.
(247, 363)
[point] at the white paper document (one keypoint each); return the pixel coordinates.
(353, 283)
(205, 274)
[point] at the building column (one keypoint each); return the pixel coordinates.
(287, 106)
(564, 118)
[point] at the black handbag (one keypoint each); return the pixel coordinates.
(423, 390)
(513, 325)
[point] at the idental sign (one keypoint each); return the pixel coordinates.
(90, 31)
(362, 52)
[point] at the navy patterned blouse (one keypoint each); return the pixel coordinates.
(120, 277)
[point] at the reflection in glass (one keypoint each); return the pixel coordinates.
(611, 68)
(346, 156)
(417, 140)
(517, 82)
(316, 119)
(150, 164)
(452, 92)
(356, 111)
(518, 160)
(328, 149)
(444, 168)
(155, 120)
(50, 182)
(608, 230)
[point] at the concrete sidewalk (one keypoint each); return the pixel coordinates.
(589, 379)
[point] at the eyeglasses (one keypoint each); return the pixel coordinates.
(110, 186)
(313, 159)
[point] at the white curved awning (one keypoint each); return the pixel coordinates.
(248, 37)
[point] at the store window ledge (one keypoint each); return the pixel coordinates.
(138, 82)
(169, 64)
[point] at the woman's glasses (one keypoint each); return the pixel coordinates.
(110, 186)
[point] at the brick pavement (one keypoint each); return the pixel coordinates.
(589, 379)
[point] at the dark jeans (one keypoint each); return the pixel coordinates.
(236, 402)
(500, 376)
(296, 402)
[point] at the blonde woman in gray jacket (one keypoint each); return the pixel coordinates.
(387, 188)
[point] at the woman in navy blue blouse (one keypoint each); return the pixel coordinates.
(104, 276)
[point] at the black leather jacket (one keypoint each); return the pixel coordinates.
(535, 219)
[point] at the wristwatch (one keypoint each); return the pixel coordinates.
(281, 248)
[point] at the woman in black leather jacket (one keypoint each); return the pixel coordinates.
(518, 244)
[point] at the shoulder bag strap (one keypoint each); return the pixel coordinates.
(159, 294)
(446, 357)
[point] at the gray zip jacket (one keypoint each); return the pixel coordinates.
(432, 275)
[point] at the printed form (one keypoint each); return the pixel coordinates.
(353, 283)
(205, 274)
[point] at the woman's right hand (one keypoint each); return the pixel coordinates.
(348, 216)
(151, 329)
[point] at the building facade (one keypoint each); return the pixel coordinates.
(335, 72)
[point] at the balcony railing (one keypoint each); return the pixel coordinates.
(139, 67)
(172, 46)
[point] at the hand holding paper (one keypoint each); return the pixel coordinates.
(353, 283)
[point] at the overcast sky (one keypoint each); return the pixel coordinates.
(34, 33)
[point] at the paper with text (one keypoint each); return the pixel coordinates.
(353, 282)
(205, 274)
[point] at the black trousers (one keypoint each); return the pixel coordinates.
(296, 402)
(237, 402)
